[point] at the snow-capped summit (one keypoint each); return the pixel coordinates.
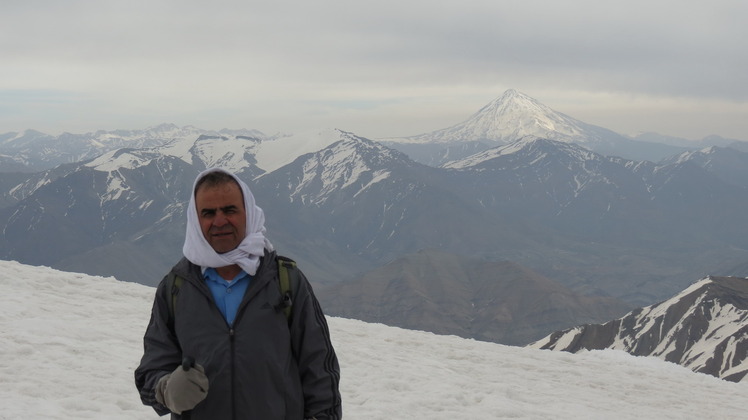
(511, 116)
(515, 115)
(351, 161)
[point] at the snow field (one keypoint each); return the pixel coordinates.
(70, 343)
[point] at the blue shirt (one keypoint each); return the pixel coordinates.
(227, 294)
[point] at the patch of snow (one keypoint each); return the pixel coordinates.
(281, 151)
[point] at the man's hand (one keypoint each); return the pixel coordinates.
(182, 389)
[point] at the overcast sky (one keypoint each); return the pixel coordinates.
(377, 68)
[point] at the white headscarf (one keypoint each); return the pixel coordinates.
(247, 254)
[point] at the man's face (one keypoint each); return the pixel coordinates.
(220, 210)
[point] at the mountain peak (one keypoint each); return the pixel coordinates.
(350, 161)
(510, 105)
(514, 114)
(509, 117)
(515, 97)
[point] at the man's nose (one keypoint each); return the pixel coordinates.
(220, 219)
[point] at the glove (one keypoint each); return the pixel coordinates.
(182, 389)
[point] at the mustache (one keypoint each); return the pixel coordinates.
(221, 230)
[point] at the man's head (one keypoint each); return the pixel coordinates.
(220, 211)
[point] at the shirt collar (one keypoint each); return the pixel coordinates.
(210, 274)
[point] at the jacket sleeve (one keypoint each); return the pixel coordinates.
(162, 353)
(318, 364)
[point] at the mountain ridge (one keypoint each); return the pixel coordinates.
(554, 207)
(704, 328)
(514, 115)
(505, 119)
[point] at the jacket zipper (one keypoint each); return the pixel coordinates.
(233, 378)
(232, 351)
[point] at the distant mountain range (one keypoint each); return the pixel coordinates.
(33, 151)
(345, 206)
(37, 151)
(595, 223)
(708, 141)
(514, 115)
(520, 116)
(705, 328)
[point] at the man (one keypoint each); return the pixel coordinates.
(224, 349)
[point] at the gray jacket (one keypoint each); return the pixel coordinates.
(262, 367)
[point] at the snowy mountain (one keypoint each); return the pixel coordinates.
(60, 365)
(121, 213)
(550, 179)
(372, 204)
(39, 151)
(562, 185)
(730, 165)
(351, 207)
(355, 205)
(704, 328)
(72, 211)
(513, 116)
(622, 207)
(237, 152)
(349, 162)
(34, 151)
(366, 204)
(233, 150)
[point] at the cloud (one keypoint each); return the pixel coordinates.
(290, 64)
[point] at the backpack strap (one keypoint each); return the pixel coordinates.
(288, 281)
(173, 283)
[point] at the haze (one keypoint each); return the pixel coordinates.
(378, 69)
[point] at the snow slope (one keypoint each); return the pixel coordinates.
(227, 151)
(281, 151)
(69, 343)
